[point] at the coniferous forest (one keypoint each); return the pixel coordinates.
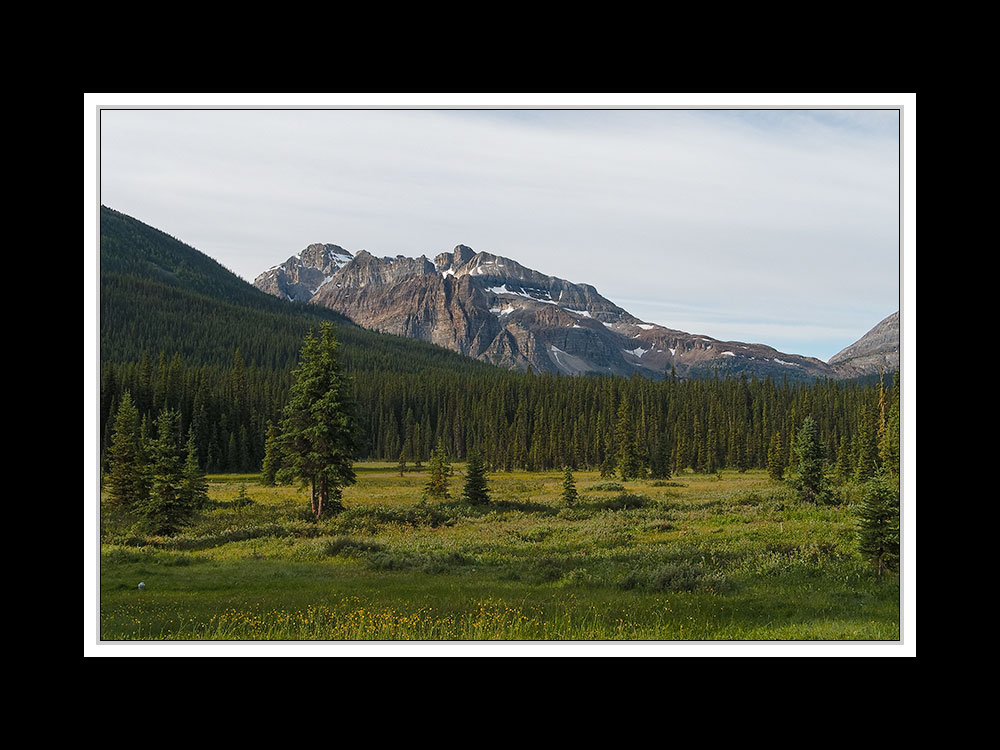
(521, 421)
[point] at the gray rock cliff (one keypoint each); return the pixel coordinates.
(495, 309)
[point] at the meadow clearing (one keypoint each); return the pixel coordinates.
(708, 557)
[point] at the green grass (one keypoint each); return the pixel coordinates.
(734, 557)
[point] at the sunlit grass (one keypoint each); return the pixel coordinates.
(703, 557)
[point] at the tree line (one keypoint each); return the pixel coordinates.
(524, 421)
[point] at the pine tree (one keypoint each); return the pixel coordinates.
(408, 450)
(476, 491)
(418, 450)
(194, 486)
(710, 464)
(888, 448)
(878, 522)
(866, 461)
(440, 470)
(128, 479)
(843, 469)
(167, 507)
(776, 459)
(742, 459)
(232, 454)
(569, 493)
(244, 462)
(607, 465)
(628, 462)
(318, 431)
(659, 465)
(272, 458)
(810, 480)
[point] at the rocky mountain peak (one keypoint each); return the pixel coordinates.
(462, 254)
(876, 350)
(444, 262)
(491, 307)
(325, 258)
(366, 270)
(301, 276)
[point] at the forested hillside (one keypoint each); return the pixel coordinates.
(160, 295)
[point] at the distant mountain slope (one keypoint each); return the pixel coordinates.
(159, 294)
(495, 309)
(877, 349)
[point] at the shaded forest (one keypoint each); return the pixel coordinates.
(518, 420)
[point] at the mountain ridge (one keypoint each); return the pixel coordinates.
(494, 308)
(158, 294)
(877, 350)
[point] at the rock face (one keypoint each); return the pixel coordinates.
(301, 276)
(877, 349)
(493, 308)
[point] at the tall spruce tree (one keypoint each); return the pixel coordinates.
(194, 486)
(569, 493)
(659, 464)
(866, 446)
(878, 522)
(628, 461)
(476, 491)
(127, 481)
(888, 449)
(607, 467)
(742, 459)
(776, 459)
(232, 454)
(843, 469)
(272, 458)
(439, 469)
(318, 433)
(810, 480)
(168, 507)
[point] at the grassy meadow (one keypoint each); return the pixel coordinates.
(696, 557)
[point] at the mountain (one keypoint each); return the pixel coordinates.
(298, 278)
(494, 309)
(159, 294)
(877, 349)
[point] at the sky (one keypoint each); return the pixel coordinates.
(768, 225)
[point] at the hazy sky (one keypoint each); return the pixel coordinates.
(772, 226)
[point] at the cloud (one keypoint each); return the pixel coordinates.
(789, 214)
